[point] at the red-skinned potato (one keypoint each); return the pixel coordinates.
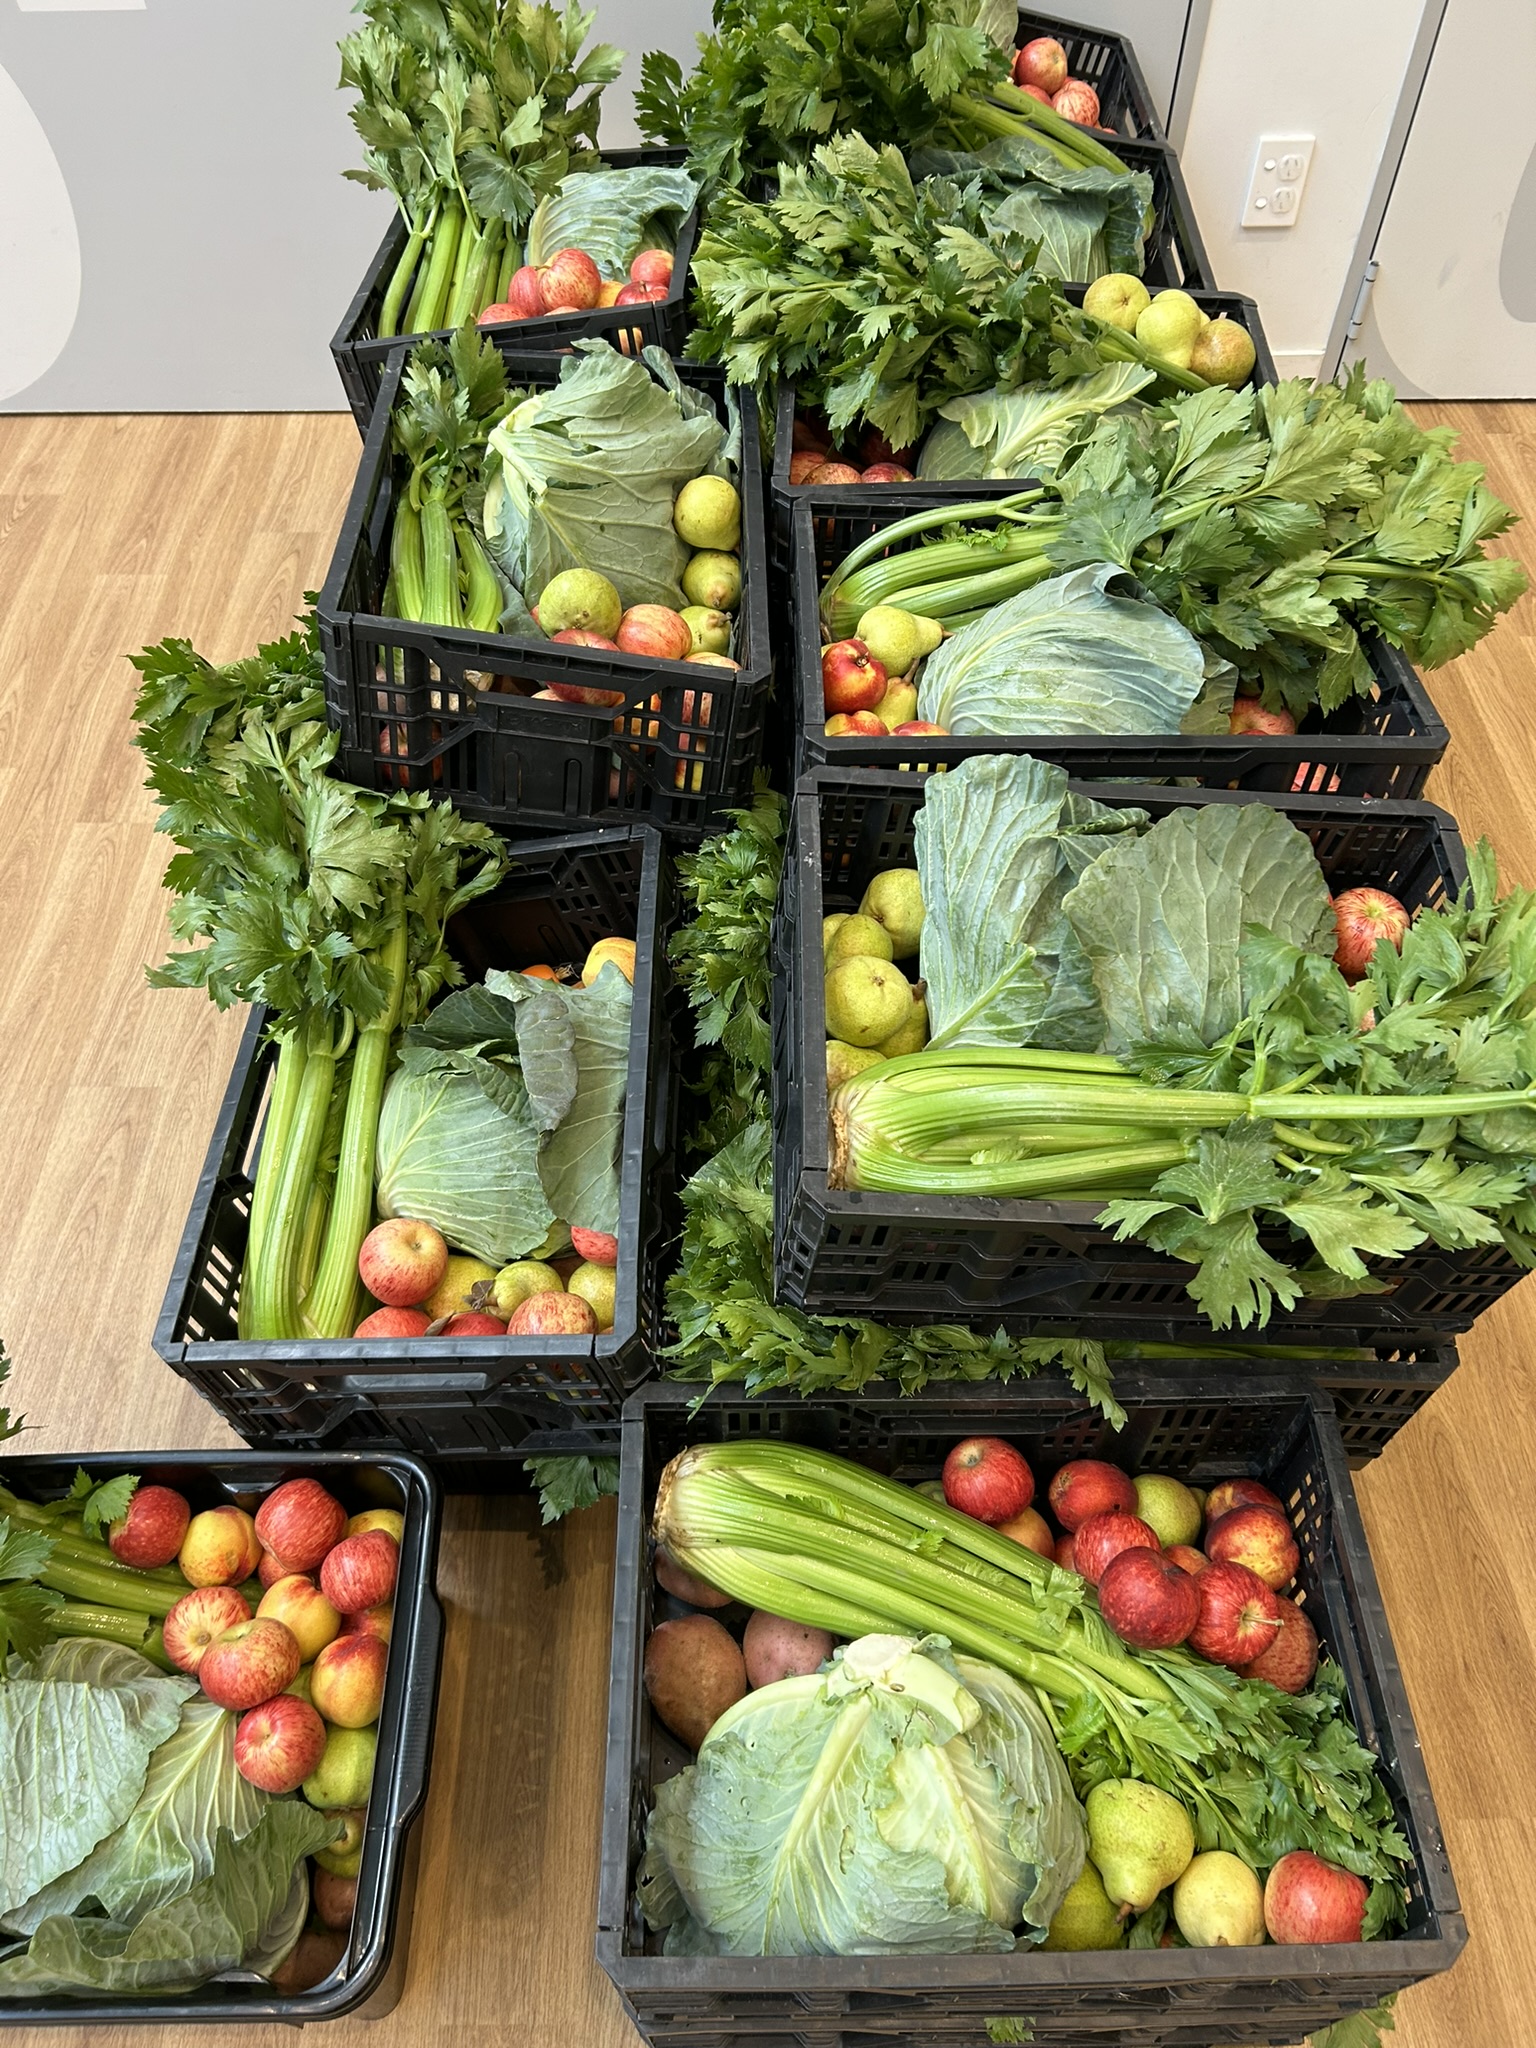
(774, 1648)
(682, 1585)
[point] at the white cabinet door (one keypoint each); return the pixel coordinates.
(1453, 310)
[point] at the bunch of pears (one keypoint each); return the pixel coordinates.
(1140, 1841)
(874, 1012)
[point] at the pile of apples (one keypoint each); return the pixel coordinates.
(1135, 1540)
(813, 459)
(1040, 69)
(866, 686)
(570, 282)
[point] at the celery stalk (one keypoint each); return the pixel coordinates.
(272, 1279)
(287, 1079)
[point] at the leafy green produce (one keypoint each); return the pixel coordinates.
(1162, 918)
(192, 1790)
(452, 395)
(1278, 526)
(1022, 433)
(230, 1914)
(583, 476)
(822, 1541)
(470, 111)
(327, 902)
(613, 215)
(580, 1161)
(1070, 655)
(902, 1801)
(1087, 220)
(78, 1724)
(569, 1481)
(448, 1154)
(998, 844)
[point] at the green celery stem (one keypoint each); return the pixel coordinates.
(133, 1631)
(440, 564)
(511, 263)
(400, 278)
(463, 263)
(437, 279)
(407, 568)
(96, 1588)
(273, 1279)
(1048, 123)
(287, 1079)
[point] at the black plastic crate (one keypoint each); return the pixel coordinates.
(1200, 1429)
(368, 1981)
(1383, 745)
(1047, 1268)
(439, 708)
(472, 1405)
(361, 357)
(869, 500)
(1107, 61)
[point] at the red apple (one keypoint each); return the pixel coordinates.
(684, 1586)
(918, 726)
(1087, 1487)
(553, 1315)
(151, 1532)
(279, 1743)
(525, 294)
(250, 1663)
(1149, 1601)
(1032, 1530)
(570, 280)
(1249, 715)
(371, 1621)
(844, 725)
(1260, 1538)
(1228, 1494)
(1308, 779)
(651, 266)
(1041, 63)
(1239, 1615)
(299, 1604)
(804, 463)
(1037, 93)
(394, 1322)
(220, 1548)
(1306, 1900)
(1187, 1559)
(360, 1572)
(196, 1619)
(834, 473)
(270, 1570)
(1077, 101)
(596, 1246)
(1290, 1662)
(299, 1522)
(643, 294)
(654, 630)
(851, 678)
(390, 1520)
(988, 1479)
(401, 1261)
(335, 1900)
(1102, 1537)
(583, 636)
(347, 1682)
(473, 1324)
(497, 315)
(886, 473)
(1364, 918)
(1066, 1553)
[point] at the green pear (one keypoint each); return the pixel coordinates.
(929, 632)
(1168, 328)
(830, 927)
(345, 1770)
(911, 1036)
(866, 1000)
(892, 637)
(344, 1856)
(1118, 299)
(1168, 1507)
(1218, 1903)
(1223, 353)
(515, 1283)
(1140, 1839)
(1086, 1917)
(844, 1061)
(857, 937)
(895, 899)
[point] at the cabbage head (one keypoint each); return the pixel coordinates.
(901, 1801)
(449, 1155)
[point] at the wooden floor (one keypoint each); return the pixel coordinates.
(114, 532)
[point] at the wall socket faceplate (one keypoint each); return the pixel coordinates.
(1279, 179)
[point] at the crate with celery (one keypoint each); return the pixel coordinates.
(547, 602)
(444, 1147)
(1081, 1780)
(481, 122)
(1186, 1062)
(220, 1693)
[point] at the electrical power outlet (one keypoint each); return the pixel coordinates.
(1279, 179)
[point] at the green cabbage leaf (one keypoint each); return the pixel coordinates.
(613, 215)
(1087, 219)
(1027, 432)
(900, 1802)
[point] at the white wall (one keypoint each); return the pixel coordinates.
(1332, 69)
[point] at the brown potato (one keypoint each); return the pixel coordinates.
(694, 1670)
(312, 1959)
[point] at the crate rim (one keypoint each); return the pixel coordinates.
(1083, 1970)
(411, 1686)
(409, 1354)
